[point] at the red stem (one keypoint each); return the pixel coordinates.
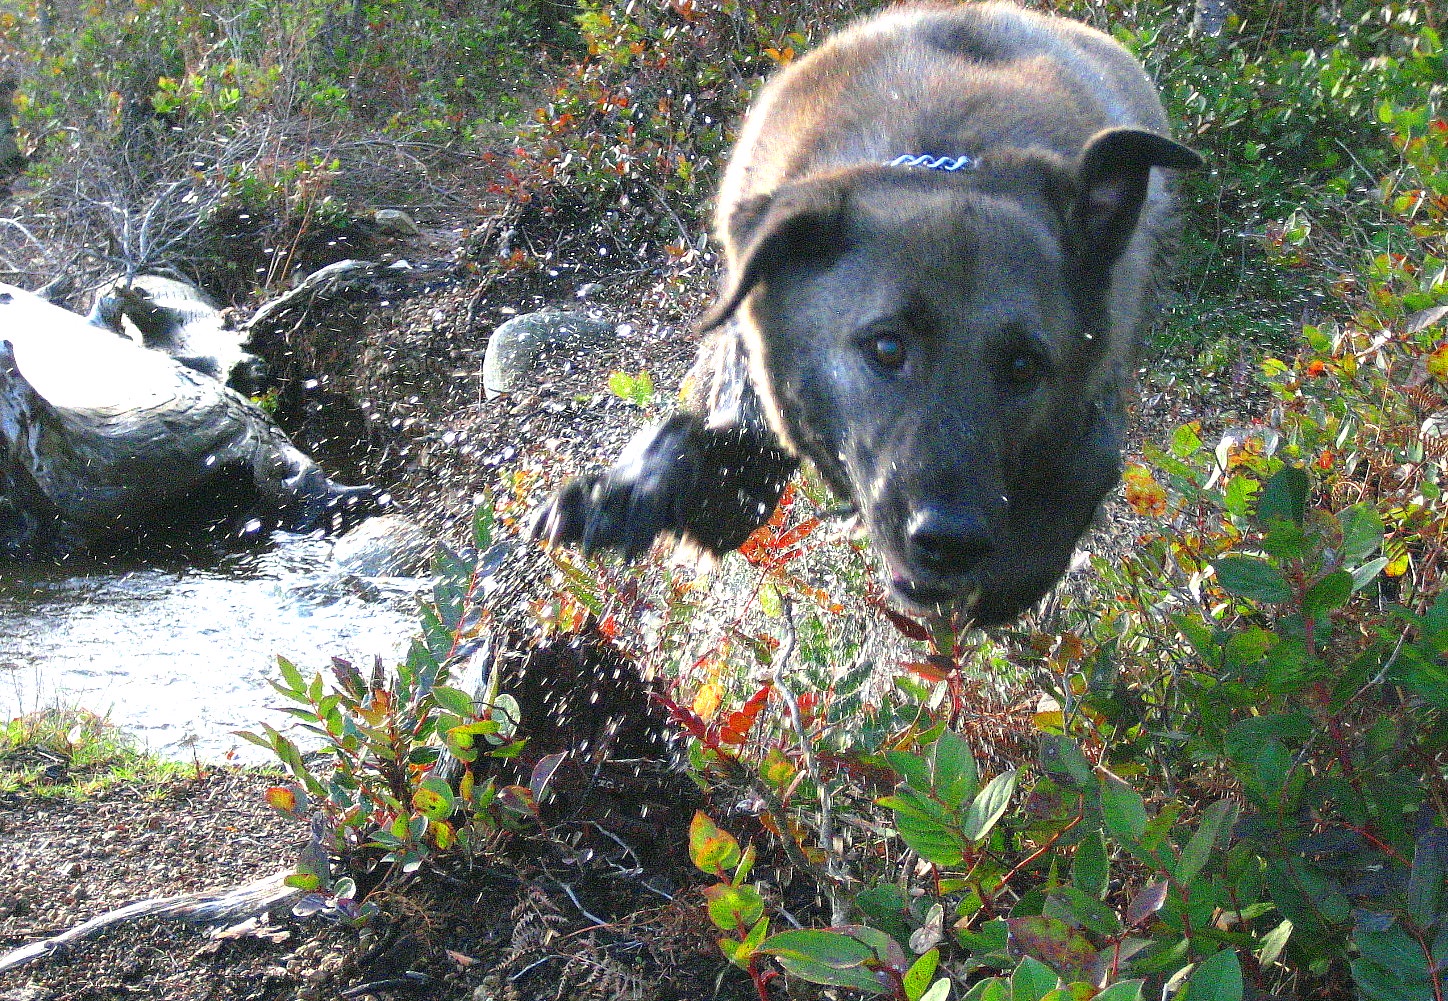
(1428, 960)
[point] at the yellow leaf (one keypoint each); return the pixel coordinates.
(1145, 495)
(1051, 722)
(707, 700)
(1438, 362)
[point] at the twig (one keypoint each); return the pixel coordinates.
(231, 905)
(581, 909)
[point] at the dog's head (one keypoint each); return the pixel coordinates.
(950, 352)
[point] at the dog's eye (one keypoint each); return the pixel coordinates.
(1024, 370)
(887, 350)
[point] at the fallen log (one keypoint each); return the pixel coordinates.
(178, 319)
(101, 439)
(204, 907)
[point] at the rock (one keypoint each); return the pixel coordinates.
(516, 344)
(395, 222)
(385, 546)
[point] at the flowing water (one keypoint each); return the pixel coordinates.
(178, 652)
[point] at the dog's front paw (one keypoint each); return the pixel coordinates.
(636, 501)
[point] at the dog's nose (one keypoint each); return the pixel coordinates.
(950, 543)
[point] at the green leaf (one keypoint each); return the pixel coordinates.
(994, 989)
(1072, 992)
(1365, 574)
(824, 957)
(1032, 980)
(933, 839)
(1329, 593)
(1285, 541)
(1123, 810)
(636, 389)
(939, 991)
(1425, 882)
(917, 978)
(992, 937)
(1061, 757)
(1090, 869)
(483, 520)
(291, 677)
(1284, 496)
(454, 700)
(988, 807)
(909, 802)
(1253, 578)
(302, 880)
(914, 769)
(1122, 990)
(434, 799)
(1075, 905)
(1362, 532)
(1217, 978)
(953, 774)
(1247, 736)
(1159, 827)
(1217, 817)
(1185, 442)
(1273, 943)
(739, 953)
(1237, 495)
(886, 906)
(733, 907)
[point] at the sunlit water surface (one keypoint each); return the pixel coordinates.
(179, 652)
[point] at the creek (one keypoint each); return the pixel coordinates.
(178, 650)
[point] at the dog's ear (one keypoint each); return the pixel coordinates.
(794, 223)
(1112, 175)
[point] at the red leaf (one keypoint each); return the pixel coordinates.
(756, 702)
(684, 717)
(930, 672)
(907, 627)
(544, 771)
(1147, 902)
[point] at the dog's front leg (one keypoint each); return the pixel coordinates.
(710, 474)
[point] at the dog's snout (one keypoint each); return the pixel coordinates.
(949, 543)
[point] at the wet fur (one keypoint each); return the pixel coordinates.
(1014, 292)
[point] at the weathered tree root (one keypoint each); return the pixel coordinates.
(205, 907)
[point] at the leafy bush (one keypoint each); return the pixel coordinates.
(1235, 780)
(151, 127)
(381, 801)
(1216, 769)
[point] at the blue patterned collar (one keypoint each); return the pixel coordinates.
(929, 162)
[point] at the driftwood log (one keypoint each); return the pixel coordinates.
(101, 439)
(178, 319)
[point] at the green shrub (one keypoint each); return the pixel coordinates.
(380, 798)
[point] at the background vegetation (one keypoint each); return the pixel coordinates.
(1216, 764)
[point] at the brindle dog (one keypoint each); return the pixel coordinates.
(940, 228)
